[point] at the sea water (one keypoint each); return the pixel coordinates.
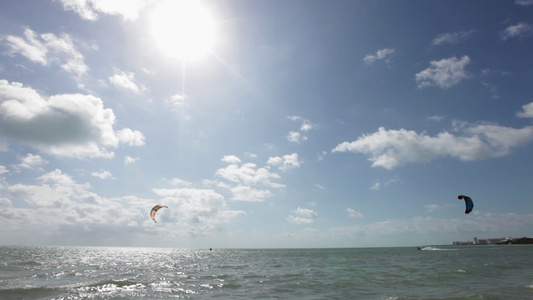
(440, 272)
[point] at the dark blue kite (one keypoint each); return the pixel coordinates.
(468, 202)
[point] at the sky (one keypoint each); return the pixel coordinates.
(265, 124)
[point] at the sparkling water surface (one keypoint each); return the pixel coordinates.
(482, 272)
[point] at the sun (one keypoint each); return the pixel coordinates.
(183, 29)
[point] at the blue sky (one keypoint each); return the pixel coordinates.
(265, 123)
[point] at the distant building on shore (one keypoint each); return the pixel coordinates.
(495, 241)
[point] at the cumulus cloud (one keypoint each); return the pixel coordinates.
(203, 207)
(130, 137)
(302, 216)
(58, 206)
(37, 206)
(231, 159)
(56, 189)
(247, 182)
(524, 2)
(383, 54)
(103, 174)
(444, 73)
(248, 174)
(285, 162)
(296, 137)
(452, 37)
(126, 80)
(90, 9)
(250, 194)
(306, 124)
(47, 48)
(299, 136)
(179, 182)
(519, 30)
(527, 111)
(391, 148)
(72, 125)
(32, 162)
(128, 160)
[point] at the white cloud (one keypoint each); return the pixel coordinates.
(519, 30)
(47, 48)
(382, 54)
(63, 46)
(285, 162)
(103, 174)
(248, 174)
(306, 212)
(32, 162)
(527, 111)
(524, 2)
(56, 190)
(250, 194)
(179, 182)
(197, 206)
(353, 213)
(452, 37)
(299, 220)
(444, 73)
(73, 125)
(392, 148)
(126, 80)
(128, 160)
(247, 182)
(90, 9)
(58, 208)
(30, 47)
(298, 136)
(231, 159)
(306, 124)
(130, 137)
(303, 216)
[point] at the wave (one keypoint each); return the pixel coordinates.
(29, 293)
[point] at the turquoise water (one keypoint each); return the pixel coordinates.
(482, 272)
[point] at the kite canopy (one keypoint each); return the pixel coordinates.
(154, 210)
(468, 203)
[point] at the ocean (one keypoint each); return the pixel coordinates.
(437, 272)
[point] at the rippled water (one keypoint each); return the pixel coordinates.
(483, 272)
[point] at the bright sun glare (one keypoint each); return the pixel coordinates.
(183, 29)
